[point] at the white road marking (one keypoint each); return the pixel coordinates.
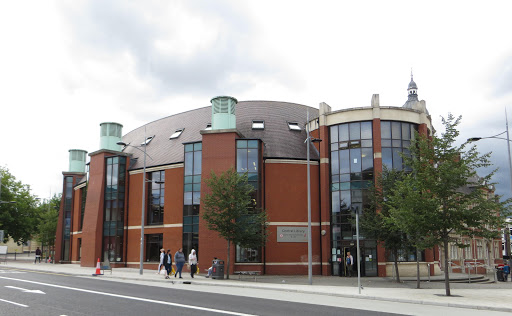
(13, 303)
(25, 290)
(131, 297)
(9, 271)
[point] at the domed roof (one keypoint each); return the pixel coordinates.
(412, 85)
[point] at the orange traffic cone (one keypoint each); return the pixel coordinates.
(98, 268)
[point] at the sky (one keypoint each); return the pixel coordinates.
(67, 66)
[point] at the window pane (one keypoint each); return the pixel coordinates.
(396, 132)
(366, 130)
(241, 160)
(345, 199)
(343, 132)
(387, 158)
(355, 131)
(252, 160)
(344, 161)
(252, 144)
(406, 131)
(397, 160)
(367, 158)
(385, 130)
(335, 167)
(334, 134)
(241, 144)
(189, 147)
(355, 160)
(189, 163)
(197, 162)
(198, 146)
(386, 143)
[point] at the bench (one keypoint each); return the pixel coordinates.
(250, 273)
(106, 266)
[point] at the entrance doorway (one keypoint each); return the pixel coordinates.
(367, 259)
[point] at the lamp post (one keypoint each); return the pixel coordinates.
(475, 139)
(143, 212)
(309, 139)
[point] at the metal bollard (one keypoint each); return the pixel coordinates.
(428, 266)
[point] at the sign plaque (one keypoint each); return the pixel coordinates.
(292, 234)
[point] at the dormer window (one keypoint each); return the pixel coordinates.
(148, 140)
(294, 126)
(124, 146)
(177, 133)
(258, 124)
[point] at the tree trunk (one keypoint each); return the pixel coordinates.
(417, 268)
(229, 260)
(395, 254)
(446, 272)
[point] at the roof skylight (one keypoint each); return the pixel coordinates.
(258, 124)
(177, 133)
(148, 140)
(208, 127)
(294, 126)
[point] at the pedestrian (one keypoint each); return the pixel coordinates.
(168, 263)
(179, 258)
(506, 272)
(161, 264)
(38, 255)
(192, 262)
(210, 269)
(349, 261)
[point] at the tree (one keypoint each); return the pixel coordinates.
(17, 219)
(434, 198)
(230, 211)
(48, 214)
(376, 222)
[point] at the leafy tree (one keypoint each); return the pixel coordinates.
(48, 212)
(230, 211)
(17, 219)
(376, 222)
(443, 197)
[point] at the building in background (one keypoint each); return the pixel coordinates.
(101, 206)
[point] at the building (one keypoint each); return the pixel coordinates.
(102, 203)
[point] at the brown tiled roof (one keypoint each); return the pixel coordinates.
(279, 140)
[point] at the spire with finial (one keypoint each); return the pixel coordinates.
(412, 90)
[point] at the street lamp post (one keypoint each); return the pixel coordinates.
(308, 141)
(474, 139)
(143, 212)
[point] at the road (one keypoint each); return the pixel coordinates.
(41, 293)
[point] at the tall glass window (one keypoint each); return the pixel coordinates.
(154, 242)
(156, 200)
(68, 200)
(396, 138)
(192, 195)
(247, 161)
(113, 221)
(352, 173)
(82, 207)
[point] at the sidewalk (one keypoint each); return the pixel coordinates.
(495, 296)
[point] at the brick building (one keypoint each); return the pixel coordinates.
(101, 208)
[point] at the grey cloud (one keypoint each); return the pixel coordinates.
(503, 78)
(113, 27)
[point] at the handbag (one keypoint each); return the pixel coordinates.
(197, 271)
(173, 271)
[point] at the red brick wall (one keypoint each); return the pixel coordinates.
(286, 201)
(92, 230)
(218, 155)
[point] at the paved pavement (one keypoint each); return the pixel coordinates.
(491, 296)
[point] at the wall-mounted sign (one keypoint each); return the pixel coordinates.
(292, 234)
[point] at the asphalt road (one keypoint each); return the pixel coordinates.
(40, 293)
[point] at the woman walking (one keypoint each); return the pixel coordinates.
(192, 261)
(168, 263)
(179, 258)
(161, 264)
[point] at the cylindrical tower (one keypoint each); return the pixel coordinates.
(77, 160)
(223, 112)
(111, 134)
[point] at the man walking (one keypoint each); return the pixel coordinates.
(349, 262)
(38, 255)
